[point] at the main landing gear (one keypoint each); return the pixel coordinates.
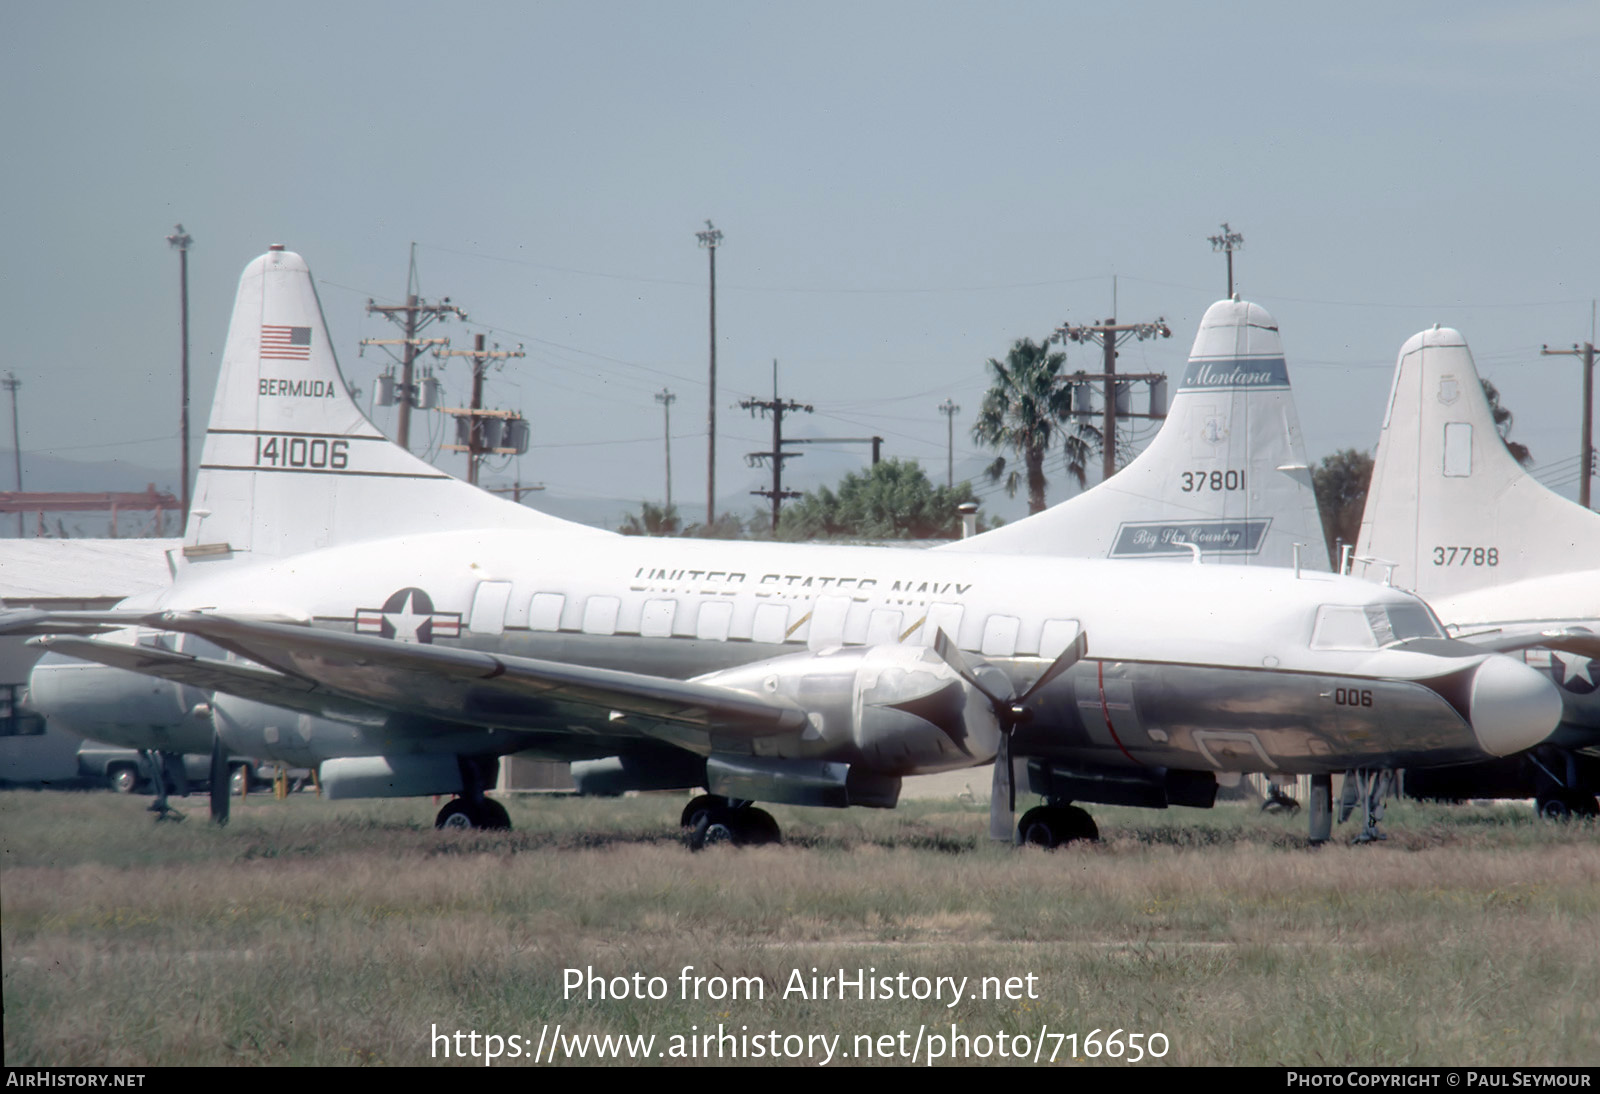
(1565, 805)
(464, 813)
(472, 809)
(711, 819)
(1052, 825)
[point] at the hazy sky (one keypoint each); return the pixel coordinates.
(904, 189)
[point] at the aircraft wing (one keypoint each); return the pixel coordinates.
(37, 621)
(246, 681)
(1570, 640)
(478, 688)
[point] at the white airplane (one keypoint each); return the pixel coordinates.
(348, 604)
(1226, 474)
(1452, 516)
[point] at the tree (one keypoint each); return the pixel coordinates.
(1341, 485)
(1024, 411)
(893, 500)
(1502, 423)
(652, 520)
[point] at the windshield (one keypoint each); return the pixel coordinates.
(1350, 627)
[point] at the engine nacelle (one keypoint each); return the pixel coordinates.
(119, 707)
(898, 710)
(250, 728)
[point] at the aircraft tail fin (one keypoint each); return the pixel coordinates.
(290, 463)
(1226, 473)
(1449, 507)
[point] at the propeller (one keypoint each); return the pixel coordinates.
(1009, 713)
(221, 790)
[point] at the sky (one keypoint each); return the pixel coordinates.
(904, 190)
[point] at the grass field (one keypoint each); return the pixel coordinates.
(310, 932)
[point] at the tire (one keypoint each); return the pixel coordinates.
(457, 815)
(697, 806)
(1555, 808)
(123, 779)
(712, 828)
(1038, 828)
(1079, 825)
(239, 780)
(1050, 826)
(756, 827)
(495, 816)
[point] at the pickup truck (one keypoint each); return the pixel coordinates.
(125, 770)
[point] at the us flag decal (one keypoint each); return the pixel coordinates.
(285, 343)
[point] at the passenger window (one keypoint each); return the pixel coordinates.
(883, 627)
(771, 624)
(489, 607)
(1000, 636)
(656, 619)
(827, 621)
(600, 615)
(1057, 635)
(712, 622)
(544, 611)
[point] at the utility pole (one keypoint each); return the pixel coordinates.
(1229, 241)
(182, 241)
(777, 407)
(11, 383)
(413, 316)
(950, 410)
(1110, 335)
(711, 239)
(1586, 460)
(510, 431)
(666, 399)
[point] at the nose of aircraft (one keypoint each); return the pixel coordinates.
(1513, 706)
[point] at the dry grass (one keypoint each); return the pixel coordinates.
(314, 932)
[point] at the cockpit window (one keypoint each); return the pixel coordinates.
(1341, 627)
(1349, 627)
(1399, 622)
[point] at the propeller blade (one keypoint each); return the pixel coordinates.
(1067, 658)
(1002, 795)
(947, 651)
(219, 781)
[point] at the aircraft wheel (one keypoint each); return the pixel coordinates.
(495, 816)
(756, 827)
(457, 815)
(699, 806)
(1052, 825)
(713, 827)
(239, 781)
(1554, 807)
(124, 780)
(1038, 828)
(1079, 824)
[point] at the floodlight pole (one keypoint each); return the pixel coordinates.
(11, 383)
(1228, 241)
(1586, 468)
(949, 410)
(711, 239)
(666, 398)
(182, 241)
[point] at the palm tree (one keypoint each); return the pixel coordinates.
(1027, 406)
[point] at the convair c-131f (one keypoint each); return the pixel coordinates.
(348, 604)
(1506, 563)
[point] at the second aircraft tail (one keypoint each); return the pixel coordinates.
(1226, 473)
